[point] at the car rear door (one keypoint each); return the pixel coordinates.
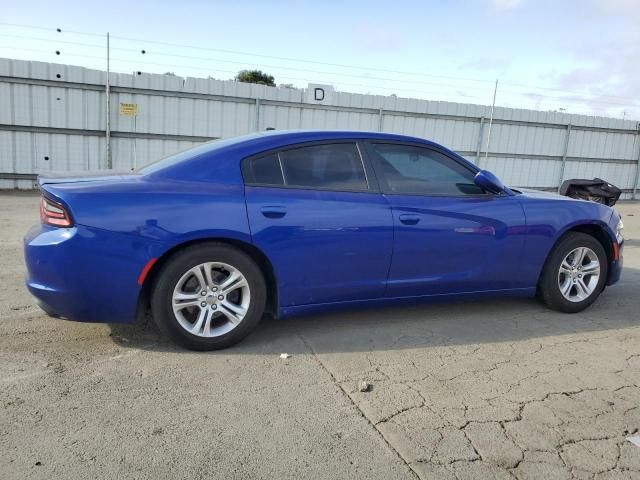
(317, 214)
(450, 236)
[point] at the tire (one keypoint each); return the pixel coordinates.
(578, 278)
(185, 315)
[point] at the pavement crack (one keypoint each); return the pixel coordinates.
(348, 397)
(464, 431)
(394, 415)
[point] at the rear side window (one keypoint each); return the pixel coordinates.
(336, 166)
(333, 167)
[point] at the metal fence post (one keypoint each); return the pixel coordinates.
(637, 182)
(480, 137)
(564, 156)
(380, 119)
(108, 110)
(257, 125)
(493, 107)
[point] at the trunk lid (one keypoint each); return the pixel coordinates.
(84, 176)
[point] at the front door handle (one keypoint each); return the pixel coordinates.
(274, 211)
(409, 219)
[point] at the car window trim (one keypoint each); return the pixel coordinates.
(366, 177)
(284, 177)
(370, 180)
(384, 187)
(315, 189)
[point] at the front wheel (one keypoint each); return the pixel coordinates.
(208, 296)
(574, 274)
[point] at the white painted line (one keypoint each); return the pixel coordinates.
(635, 440)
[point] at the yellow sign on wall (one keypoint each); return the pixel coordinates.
(129, 109)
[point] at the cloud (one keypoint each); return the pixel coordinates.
(604, 76)
(583, 78)
(488, 63)
(613, 76)
(377, 37)
(619, 6)
(507, 4)
(462, 93)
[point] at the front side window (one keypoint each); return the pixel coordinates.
(407, 169)
(336, 166)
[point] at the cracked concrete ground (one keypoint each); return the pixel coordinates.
(491, 389)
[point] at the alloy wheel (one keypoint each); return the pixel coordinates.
(211, 299)
(579, 274)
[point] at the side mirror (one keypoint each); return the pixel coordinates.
(488, 181)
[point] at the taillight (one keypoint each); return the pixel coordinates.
(54, 214)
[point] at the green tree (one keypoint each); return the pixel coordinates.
(256, 76)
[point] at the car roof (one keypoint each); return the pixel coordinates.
(283, 137)
(310, 135)
(224, 153)
(279, 138)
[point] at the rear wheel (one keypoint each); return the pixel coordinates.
(574, 274)
(208, 296)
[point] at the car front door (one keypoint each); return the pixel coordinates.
(450, 235)
(315, 213)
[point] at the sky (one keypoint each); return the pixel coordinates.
(563, 55)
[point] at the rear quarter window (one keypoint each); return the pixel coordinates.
(264, 170)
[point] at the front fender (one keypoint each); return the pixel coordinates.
(548, 219)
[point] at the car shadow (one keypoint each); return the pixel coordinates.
(418, 326)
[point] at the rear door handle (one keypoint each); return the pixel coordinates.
(409, 219)
(273, 211)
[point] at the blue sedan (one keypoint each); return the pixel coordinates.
(210, 240)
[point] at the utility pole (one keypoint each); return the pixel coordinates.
(493, 106)
(108, 109)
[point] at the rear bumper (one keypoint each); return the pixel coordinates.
(84, 274)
